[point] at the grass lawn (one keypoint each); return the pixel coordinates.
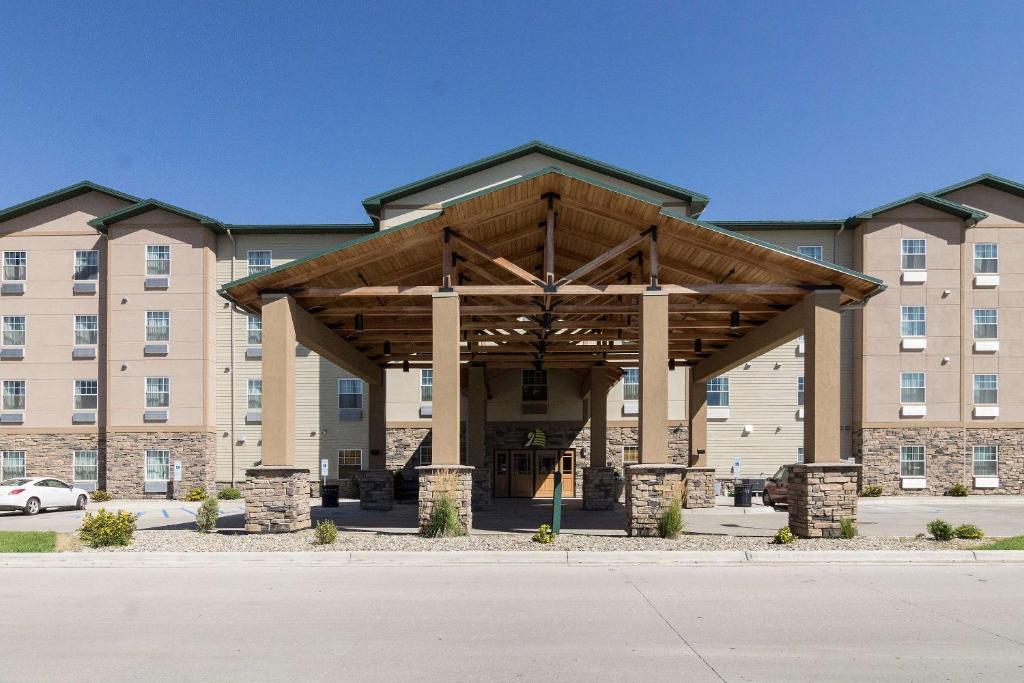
(1015, 543)
(27, 541)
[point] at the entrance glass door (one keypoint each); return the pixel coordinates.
(501, 473)
(521, 484)
(547, 464)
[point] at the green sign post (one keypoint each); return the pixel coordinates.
(556, 507)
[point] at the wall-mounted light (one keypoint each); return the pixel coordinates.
(734, 319)
(746, 366)
(671, 363)
(405, 366)
(748, 430)
(387, 348)
(360, 322)
(778, 365)
(241, 439)
(698, 345)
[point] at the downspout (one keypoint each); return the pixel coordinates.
(232, 358)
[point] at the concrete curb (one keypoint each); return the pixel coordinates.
(129, 560)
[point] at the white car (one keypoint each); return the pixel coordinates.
(32, 494)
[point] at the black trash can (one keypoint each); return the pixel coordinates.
(741, 495)
(329, 495)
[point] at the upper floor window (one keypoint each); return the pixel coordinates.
(87, 265)
(813, 251)
(87, 330)
(535, 385)
(986, 258)
(14, 394)
(913, 254)
(800, 391)
(426, 385)
(259, 261)
(986, 389)
(911, 461)
(86, 394)
(13, 465)
(254, 326)
(631, 384)
(718, 391)
(158, 326)
(350, 394)
(255, 394)
(912, 321)
(349, 457)
(158, 259)
(158, 392)
(985, 458)
(912, 387)
(15, 265)
(986, 323)
(14, 330)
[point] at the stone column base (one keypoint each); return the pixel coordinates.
(482, 488)
(276, 499)
(699, 488)
(455, 481)
(649, 491)
(821, 495)
(376, 489)
(598, 488)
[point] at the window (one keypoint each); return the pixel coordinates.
(14, 330)
(986, 323)
(158, 392)
(631, 384)
(912, 322)
(986, 258)
(912, 387)
(14, 394)
(911, 461)
(86, 394)
(799, 453)
(535, 385)
(255, 393)
(350, 457)
(255, 327)
(158, 326)
(350, 394)
(718, 392)
(259, 261)
(630, 454)
(985, 461)
(87, 265)
(15, 265)
(913, 254)
(813, 251)
(87, 465)
(158, 465)
(87, 330)
(158, 259)
(13, 464)
(986, 389)
(799, 391)
(426, 385)
(426, 454)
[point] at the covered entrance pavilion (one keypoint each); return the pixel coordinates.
(552, 270)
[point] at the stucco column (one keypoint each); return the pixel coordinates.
(598, 416)
(654, 377)
(697, 415)
(278, 381)
(821, 377)
(377, 425)
(445, 350)
(476, 420)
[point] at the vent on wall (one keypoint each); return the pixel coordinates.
(534, 408)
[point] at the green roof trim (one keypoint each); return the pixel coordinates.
(303, 228)
(781, 225)
(929, 200)
(697, 201)
(61, 195)
(146, 205)
(988, 180)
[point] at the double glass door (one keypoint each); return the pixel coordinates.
(530, 473)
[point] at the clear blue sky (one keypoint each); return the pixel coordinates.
(278, 112)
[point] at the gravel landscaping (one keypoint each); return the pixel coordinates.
(191, 541)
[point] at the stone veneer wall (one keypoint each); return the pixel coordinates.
(126, 461)
(820, 497)
(649, 491)
(455, 481)
(699, 488)
(53, 454)
(948, 457)
(276, 499)
(376, 489)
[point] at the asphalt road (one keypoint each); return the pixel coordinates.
(257, 620)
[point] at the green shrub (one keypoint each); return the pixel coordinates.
(784, 536)
(444, 519)
(871, 491)
(847, 528)
(99, 496)
(355, 487)
(958, 490)
(229, 493)
(107, 528)
(544, 535)
(195, 494)
(206, 517)
(670, 523)
(941, 530)
(969, 531)
(326, 532)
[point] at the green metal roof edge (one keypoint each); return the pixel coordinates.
(300, 228)
(697, 200)
(989, 180)
(828, 224)
(60, 195)
(929, 200)
(151, 204)
(552, 169)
